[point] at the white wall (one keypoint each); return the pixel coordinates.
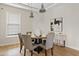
(26, 24)
(70, 14)
(41, 24)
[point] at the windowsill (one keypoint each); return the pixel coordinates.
(12, 36)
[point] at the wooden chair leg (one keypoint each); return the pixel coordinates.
(45, 52)
(20, 48)
(52, 51)
(31, 53)
(24, 51)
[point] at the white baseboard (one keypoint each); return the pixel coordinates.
(73, 48)
(9, 44)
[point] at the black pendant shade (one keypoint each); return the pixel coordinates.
(31, 15)
(42, 10)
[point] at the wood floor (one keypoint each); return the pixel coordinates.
(13, 50)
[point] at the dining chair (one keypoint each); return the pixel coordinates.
(28, 33)
(48, 44)
(21, 41)
(28, 44)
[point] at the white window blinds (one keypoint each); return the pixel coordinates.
(13, 23)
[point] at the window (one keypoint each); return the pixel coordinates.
(13, 23)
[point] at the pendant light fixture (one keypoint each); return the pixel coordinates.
(42, 10)
(31, 13)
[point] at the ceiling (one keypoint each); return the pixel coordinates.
(29, 6)
(37, 5)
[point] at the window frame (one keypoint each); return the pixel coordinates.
(19, 24)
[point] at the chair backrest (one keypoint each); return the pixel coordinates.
(20, 38)
(28, 33)
(49, 40)
(27, 42)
